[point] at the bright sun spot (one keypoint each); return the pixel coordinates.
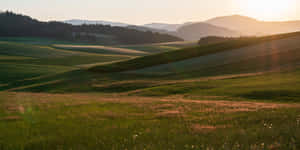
(266, 9)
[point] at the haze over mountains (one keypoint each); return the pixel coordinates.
(164, 26)
(228, 26)
(196, 31)
(251, 26)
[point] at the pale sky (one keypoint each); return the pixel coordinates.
(148, 11)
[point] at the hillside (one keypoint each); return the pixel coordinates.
(48, 100)
(19, 61)
(147, 29)
(228, 26)
(164, 26)
(266, 56)
(13, 25)
(250, 26)
(195, 31)
(186, 53)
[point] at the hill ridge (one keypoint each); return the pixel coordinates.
(186, 53)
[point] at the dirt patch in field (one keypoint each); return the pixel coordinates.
(168, 113)
(114, 49)
(163, 106)
(225, 110)
(198, 128)
(11, 118)
(169, 110)
(235, 105)
(15, 109)
(77, 104)
(167, 106)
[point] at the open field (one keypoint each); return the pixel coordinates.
(21, 61)
(93, 121)
(277, 86)
(233, 95)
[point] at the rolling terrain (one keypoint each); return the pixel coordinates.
(196, 31)
(187, 53)
(21, 61)
(251, 26)
(234, 94)
(227, 26)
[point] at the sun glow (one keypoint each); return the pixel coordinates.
(267, 9)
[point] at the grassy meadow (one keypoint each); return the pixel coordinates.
(240, 95)
(93, 121)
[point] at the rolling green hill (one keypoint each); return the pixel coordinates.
(186, 53)
(265, 56)
(21, 61)
(238, 92)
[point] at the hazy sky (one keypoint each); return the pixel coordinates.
(147, 11)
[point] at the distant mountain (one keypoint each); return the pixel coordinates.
(94, 22)
(163, 26)
(196, 31)
(15, 25)
(191, 31)
(250, 26)
(147, 29)
(227, 26)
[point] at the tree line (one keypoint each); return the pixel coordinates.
(16, 25)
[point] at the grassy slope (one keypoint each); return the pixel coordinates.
(98, 49)
(35, 41)
(21, 61)
(273, 53)
(280, 87)
(11, 72)
(92, 114)
(183, 54)
(283, 87)
(151, 48)
(79, 121)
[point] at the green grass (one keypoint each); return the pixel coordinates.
(187, 53)
(19, 61)
(68, 61)
(43, 121)
(48, 41)
(280, 87)
(34, 41)
(100, 51)
(273, 87)
(186, 110)
(151, 48)
(11, 72)
(27, 50)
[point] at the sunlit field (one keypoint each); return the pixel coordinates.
(150, 75)
(93, 121)
(56, 103)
